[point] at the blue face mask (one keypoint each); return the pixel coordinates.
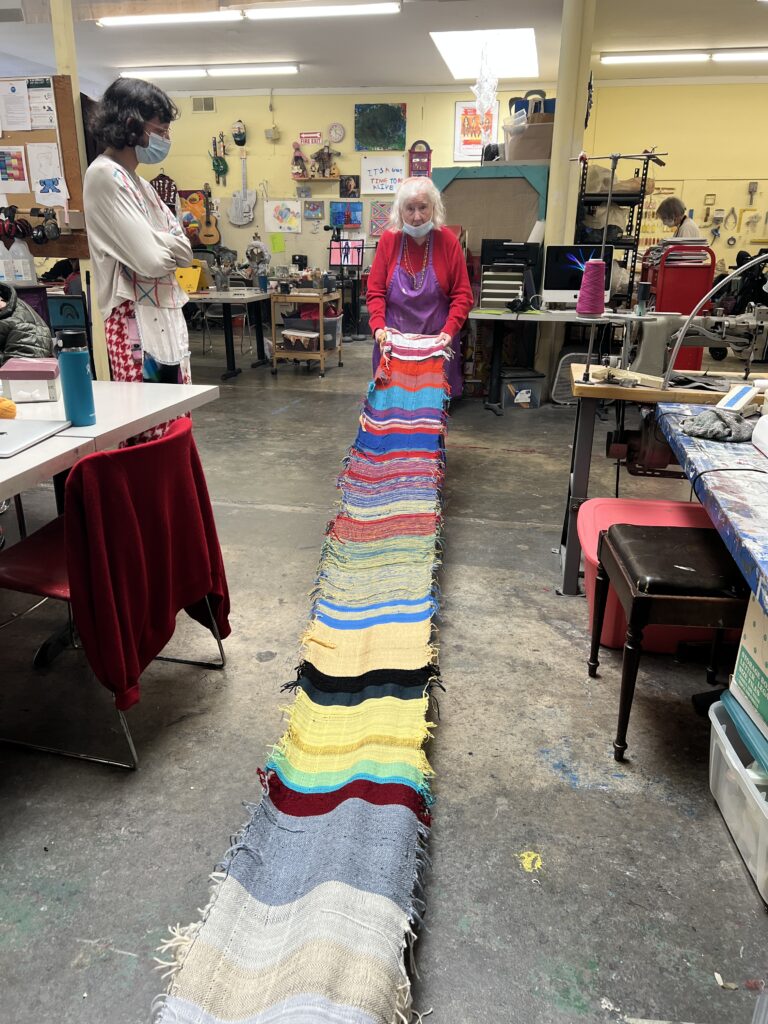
(155, 151)
(420, 231)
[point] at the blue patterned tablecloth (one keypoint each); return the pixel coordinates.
(731, 482)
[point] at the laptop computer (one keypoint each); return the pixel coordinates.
(18, 435)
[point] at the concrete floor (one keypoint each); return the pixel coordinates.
(641, 895)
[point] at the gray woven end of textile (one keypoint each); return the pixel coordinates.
(718, 425)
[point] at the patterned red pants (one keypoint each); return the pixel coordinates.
(126, 359)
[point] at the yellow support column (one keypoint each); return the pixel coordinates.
(65, 49)
(576, 31)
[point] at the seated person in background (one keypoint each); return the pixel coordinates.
(22, 332)
(672, 214)
(73, 282)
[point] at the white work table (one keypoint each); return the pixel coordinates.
(41, 462)
(123, 409)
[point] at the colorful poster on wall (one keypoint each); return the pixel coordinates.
(283, 215)
(348, 216)
(380, 214)
(468, 130)
(381, 175)
(379, 126)
(314, 209)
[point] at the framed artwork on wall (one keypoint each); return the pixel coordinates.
(314, 209)
(380, 213)
(380, 126)
(348, 216)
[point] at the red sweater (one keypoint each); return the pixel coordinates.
(141, 545)
(450, 267)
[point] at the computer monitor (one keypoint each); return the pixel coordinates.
(564, 268)
(347, 253)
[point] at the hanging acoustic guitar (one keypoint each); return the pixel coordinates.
(208, 232)
(241, 208)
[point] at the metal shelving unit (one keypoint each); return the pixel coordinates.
(632, 202)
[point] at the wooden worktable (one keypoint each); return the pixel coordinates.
(651, 395)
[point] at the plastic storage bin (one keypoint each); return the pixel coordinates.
(331, 327)
(597, 515)
(741, 803)
(522, 380)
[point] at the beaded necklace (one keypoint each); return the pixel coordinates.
(417, 278)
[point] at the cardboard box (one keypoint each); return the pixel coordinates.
(749, 682)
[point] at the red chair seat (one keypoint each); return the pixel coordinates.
(38, 564)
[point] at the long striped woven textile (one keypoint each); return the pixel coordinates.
(315, 906)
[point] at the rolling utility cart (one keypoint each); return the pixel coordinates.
(305, 340)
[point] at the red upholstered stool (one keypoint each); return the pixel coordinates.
(598, 515)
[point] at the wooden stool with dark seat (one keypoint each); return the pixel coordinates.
(667, 576)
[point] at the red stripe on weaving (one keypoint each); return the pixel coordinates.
(419, 525)
(371, 428)
(403, 453)
(302, 805)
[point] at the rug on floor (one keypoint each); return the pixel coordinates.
(315, 906)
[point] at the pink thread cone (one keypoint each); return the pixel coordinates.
(591, 300)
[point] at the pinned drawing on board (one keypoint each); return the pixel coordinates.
(45, 174)
(13, 170)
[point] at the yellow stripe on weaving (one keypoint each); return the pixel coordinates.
(386, 720)
(345, 761)
(352, 652)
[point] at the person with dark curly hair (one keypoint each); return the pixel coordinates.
(136, 244)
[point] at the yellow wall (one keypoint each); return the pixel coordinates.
(429, 116)
(713, 144)
(709, 131)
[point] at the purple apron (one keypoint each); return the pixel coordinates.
(421, 311)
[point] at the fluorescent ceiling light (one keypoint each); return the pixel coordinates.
(254, 69)
(739, 55)
(194, 17)
(686, 57)
(272, 13)
(511, 52)
(152, 73)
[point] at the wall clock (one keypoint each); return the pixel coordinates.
(336, 132)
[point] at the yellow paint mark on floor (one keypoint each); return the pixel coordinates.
(530, 861)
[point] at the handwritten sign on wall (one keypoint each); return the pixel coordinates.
(381, 175)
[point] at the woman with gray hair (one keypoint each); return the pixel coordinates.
(418, 282)
(672, 214)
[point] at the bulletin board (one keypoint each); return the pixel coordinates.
(63, 134)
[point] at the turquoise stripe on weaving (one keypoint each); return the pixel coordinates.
(398, 398)
(329, 782)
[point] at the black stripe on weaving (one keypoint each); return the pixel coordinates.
(419, 678)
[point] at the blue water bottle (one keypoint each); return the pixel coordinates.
(76, 380)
